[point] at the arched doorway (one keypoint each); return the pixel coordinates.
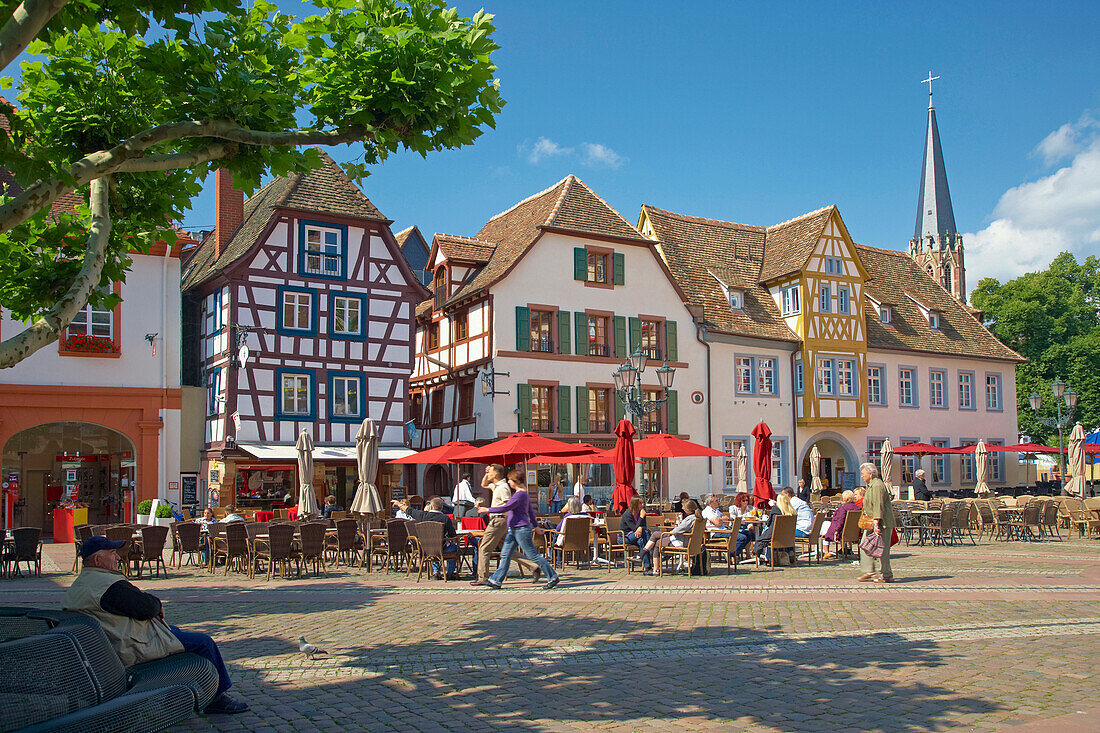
(838, 460)
(437, 481)
(85, 462)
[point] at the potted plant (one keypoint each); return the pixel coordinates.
(143, 509)
(164, 516)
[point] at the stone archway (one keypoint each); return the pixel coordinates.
(837, 456)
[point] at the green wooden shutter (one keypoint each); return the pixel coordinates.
(671, 352)
(582, 409)
(580, 264)
(672, 413)
(581, 319)
(523, 396)
(620, 336)
(635, 334)
(618, 265)
(620, 410)
(564, 339)
(523, 328)
(565, 424)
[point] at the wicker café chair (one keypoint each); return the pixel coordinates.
(27, 548)
(233, 546)
(345, 544)
(428, 546)
(151, 549)
(278, 547)
(814, 540)
(783, 534)
(850, 533)
(726, 544)
(121, 533)
(313, 545)
(576, 535)
(1050, 519)
(612, 540)
(396, 546)
(692, 549)
(188, 540)
(81, 532)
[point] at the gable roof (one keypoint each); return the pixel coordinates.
(705, 254)
(790, 243)
(326, 190)
(568, 206)
(408, 236)
(465, 249)
(897, 280)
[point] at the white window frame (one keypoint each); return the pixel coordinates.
(324, 255)
(799, 377)
(826, 298)
(874, 452)
(736, 299)
(744, 365)
(911, 383)
(296, 294)
(934, 320)
(779, 469)
(336, 397)
(846, 367)
(875, 393)
(993, 399)
(826, 370)
(966, 390)
(732, 444)
(294, 391)
(937, 390)
(842, 303)
(84, 322)
(789, 299)
(766, 375)
(944, 464)
(342, 302)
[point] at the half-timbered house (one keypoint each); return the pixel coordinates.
(306, 310)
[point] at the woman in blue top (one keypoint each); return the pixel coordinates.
(521, 528)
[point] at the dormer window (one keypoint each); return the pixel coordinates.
(439, 286)
(736, 299)
(886, 315)
(934, 320)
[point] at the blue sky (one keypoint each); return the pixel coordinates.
(758, 112)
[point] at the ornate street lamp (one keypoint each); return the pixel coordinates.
(628, 385)
(1062, 393)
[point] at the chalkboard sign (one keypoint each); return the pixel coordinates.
(847, 480)
(189, 489)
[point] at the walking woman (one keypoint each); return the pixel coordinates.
(521, 529)
(878, 506)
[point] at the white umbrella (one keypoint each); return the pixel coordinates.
(887, 462)
(815, 470)
(1075, 466)
(743, 469)
(981, 469)
(307, 500)
(367, 500)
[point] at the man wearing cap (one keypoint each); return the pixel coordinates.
(134, 621)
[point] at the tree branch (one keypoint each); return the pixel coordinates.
(49, 326)
(24, 25)
(174, 161)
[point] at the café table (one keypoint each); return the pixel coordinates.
(924, 516)
(264, 516)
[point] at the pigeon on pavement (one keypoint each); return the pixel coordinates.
(308, 649)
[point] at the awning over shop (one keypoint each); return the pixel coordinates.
(321, 453)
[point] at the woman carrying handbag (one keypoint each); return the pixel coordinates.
(874, 550)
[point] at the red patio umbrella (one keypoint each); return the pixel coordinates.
(663, 445)
(762, 465)
(516, 448)
(1029, 448)
(586, 453)
(440, 454)
(921, 449)
(624, 466)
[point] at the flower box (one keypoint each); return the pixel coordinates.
(88, 344)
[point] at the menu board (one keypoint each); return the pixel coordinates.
(189, 489)
(847, 480)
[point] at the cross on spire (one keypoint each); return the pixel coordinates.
(929, 81)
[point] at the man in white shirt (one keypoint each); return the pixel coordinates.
(463, 498)
(578, 488)
(713, 514)
(803, 515)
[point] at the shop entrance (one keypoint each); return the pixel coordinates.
(62, 462)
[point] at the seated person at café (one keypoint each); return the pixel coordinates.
(803, 512)
(836, 525)
(678, 535)
(678, 505)
(207, 517)
(589, 503)
(859, 491)
(635, 532)
(740, 507)
(573, 508)
(434, 514)
(330, 507)
(134, 621)
(762, 548)
(716, 522)
(231, 515)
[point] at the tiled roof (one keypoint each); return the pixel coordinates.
(697, 250)
(405, 236)
(326, 190)
(894, 275)
(790, 243)
(424, 307)
(466, 249)
(568, 205)
(10, 187)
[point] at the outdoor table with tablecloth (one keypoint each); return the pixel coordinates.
(264, 516)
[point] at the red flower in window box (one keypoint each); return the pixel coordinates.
(86, 343)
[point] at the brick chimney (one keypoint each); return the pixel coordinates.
(228, 210)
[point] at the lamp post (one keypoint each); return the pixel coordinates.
(1062, 393)
(628, 384)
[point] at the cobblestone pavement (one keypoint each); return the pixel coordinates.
(983, 637)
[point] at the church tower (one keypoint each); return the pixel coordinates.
(936, 245)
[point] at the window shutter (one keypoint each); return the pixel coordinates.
(672, 413)
(620, 336)
(620, 410)
(635, 334)
(523, 328)
(580, 264)
(618, 266)
(564, 346)
(565, 424)
(582, 409)
(523, 395)
(581, 319)
(671, 352)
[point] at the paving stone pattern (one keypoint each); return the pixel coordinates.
(984, 637)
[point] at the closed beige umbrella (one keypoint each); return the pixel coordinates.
(743, 469)
(887, 462)
(981, 469)
(815, 471)
(367, 500)
(1075, 466)
(307, 500)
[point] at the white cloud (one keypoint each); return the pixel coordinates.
(596, 155)
(544, 147)
(1035, 221)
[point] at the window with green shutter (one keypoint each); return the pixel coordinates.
(672, 413)
(618, 267)
(580, 319)
(635, 333)
(523, 398)
(671, 352)
(580, 264)
(620, 410)
(620, 336)
(564, 340)
(523, 328)
(582, 409)
(565, 424)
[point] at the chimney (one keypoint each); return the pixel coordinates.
(228, 210)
